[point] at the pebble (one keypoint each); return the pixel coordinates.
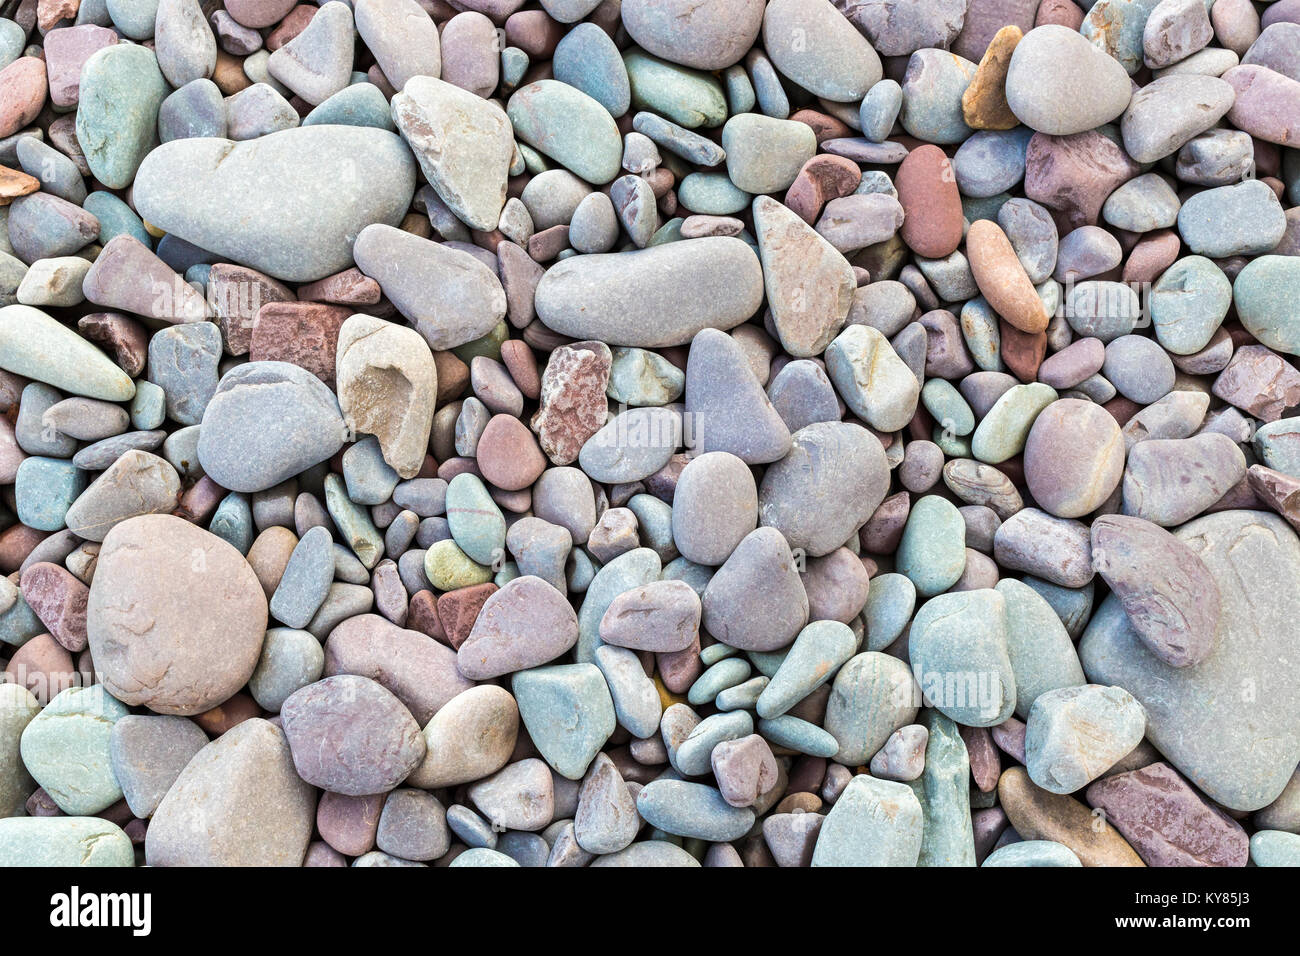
(140, 630)
(568, 712)
(871, 378)
(1260, 293)
(194, 189)
(1058, 83)
(1212, 758)
(337, 726)
(1038, 814)
(1169, 481)
(714, 340)
(692, 810)
(1166, 821)
(872, 696)
(282, 408)
(624, 299)
(932, 550)
(1074, 457)
(63, 841)
(524, 605)
(810, 43)
(1039, 646)
(238, 802)
(121, 88)
(1075, 734)
(569, 126)
(66, 750)
(872, 823)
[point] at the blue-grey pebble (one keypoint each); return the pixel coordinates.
(183, 362)
(268, 421)
(122, 89)
(306, 579)
(692, 810)
(587, 59)
(476, 523)
(290, 660)
(1188, 303)
(1242, 220)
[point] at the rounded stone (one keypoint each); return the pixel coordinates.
(238, 802)
(837, 461)
(266, 422)
(176, 617)
(1074, 457)
(811, 43)
(66, 750)
(1265, 293)
(349, 735)
(1059, 83)
(712, 37)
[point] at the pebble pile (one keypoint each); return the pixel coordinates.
(650, 433)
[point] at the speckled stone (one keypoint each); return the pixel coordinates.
(1237, 750)
(873, 823)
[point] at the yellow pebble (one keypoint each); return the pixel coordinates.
(666, 697)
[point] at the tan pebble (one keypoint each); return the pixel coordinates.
(1002, 279)
(984, 104)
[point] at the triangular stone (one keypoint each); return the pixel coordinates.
(726, 406)
(809, 283)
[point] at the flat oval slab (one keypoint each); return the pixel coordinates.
(655, 297)
(1231, 723)
(288, 204)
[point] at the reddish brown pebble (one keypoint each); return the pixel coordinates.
(985, 764)
(229, 713)
(1167, 821)
(1065, 13)
(1002, 279)
(1010, 738)
(1259, 382)
(303, 333)
(15, 183)
(44, 667)
(16, 542)
(59, 600)
(546, 245)
(573, 402)
(679, 669)
(453, 376)
(235, 295)
(1075, 174)
(22, 93)
(884, 529)
(458, 610)
(522, 365)
(1152, 255)
(349, 287)
(125, 339)
(349, 824)
(1168, 593)
(1279, 491)
(821, 179)
(1022, 352)
(422, 616)
(294, 22)
(1072, 364)
(824, 127)
(927, 191)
